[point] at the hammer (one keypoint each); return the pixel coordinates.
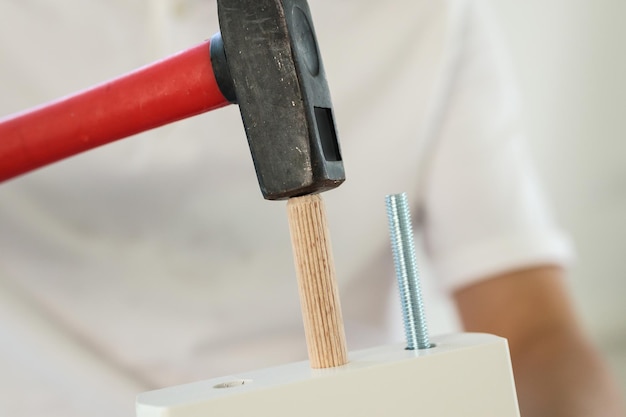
(265, 59)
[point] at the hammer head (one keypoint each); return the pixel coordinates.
(280, 85)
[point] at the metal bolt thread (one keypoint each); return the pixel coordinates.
(403, 247)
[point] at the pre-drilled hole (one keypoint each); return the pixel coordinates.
(233, 384)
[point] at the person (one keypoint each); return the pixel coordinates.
(154, 261)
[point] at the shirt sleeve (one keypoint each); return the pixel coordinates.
(484, 212)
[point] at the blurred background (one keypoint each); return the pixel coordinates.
(570, 60)
(571, 64)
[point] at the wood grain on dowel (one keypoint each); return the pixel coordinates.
(319, 297)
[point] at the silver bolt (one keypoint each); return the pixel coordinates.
(403, 247)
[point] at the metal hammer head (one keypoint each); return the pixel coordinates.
(271, 66)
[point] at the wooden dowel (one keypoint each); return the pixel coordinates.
(315, 269)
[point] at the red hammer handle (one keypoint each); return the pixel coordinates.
(175, 88)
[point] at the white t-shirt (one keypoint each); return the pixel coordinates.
(157, 258)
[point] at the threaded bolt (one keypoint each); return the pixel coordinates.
(403, 247)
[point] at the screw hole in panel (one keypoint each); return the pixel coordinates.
(233, 384)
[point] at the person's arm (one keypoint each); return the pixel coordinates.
(557, 369)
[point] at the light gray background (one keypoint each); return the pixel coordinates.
(570, 59)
